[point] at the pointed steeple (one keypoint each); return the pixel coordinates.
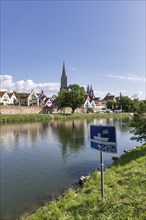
(63, 69)
(88, 89)
(91, 92)
(91, 88)
(42, 92)
(63, 78)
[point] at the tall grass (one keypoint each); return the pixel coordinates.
(89, 115)
(10, 118)
(24, 118)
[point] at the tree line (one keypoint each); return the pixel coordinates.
(74, 97)
(127, 105)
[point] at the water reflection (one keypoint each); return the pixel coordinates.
(120, 123)
(70, 135)
(39, 159)
(22, 135)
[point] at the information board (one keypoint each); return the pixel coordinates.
(103, 138)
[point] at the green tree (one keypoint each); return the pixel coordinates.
(111, 104)
(142, 105)
(135, 105)
(125, 103)
(138, 123)
(17, 95)
(16, 102)
(63, 99)
(72, 97)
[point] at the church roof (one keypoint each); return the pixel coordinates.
(63, 70)
(63, 78)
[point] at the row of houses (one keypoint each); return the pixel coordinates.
(25, 99)
(39, 99)
(97, 103)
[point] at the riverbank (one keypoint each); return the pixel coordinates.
(12, 118)
(125, 192)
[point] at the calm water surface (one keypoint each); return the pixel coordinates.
(40, 160)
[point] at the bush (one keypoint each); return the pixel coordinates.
(138, 123)
(89, 110)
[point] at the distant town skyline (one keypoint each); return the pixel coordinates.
(101, 42)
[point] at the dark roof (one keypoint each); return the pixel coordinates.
(2, 93)
(23, 95)
(109, 97)
(97, 99)
(10, 93)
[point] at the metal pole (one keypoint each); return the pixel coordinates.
(102, 175)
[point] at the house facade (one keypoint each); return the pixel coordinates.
(48, 102)
(95, 103)
(28, 99)
(7, 98)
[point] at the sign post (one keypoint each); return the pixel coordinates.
(103, 138)
(102, 174)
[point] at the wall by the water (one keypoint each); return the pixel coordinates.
(23, 110)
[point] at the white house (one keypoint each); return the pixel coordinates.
(12, 97)
(29, 99)
(95, 103)
(87, 103)
(48, 102)
(7, 98)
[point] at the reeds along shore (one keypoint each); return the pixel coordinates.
(44, 117)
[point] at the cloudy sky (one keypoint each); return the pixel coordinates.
(101, 42)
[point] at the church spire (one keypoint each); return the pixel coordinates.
(63, 78)
(63, 69)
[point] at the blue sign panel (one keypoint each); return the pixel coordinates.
(103, 138)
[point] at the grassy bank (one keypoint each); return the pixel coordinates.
(12, 118)
(125, 193)
(44, 117)
(90, 116)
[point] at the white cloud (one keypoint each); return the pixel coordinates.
(128, 77)
(7, 84)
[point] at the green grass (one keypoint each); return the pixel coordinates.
(10, 118)
(124, 199)
(89, 115)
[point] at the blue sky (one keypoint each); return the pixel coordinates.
(101, 42)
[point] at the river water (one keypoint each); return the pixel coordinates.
(40, 160)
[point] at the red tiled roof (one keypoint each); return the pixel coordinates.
(10, 94)
(2, 93)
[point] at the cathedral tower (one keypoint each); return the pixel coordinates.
(63, 78)
(90, 92)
